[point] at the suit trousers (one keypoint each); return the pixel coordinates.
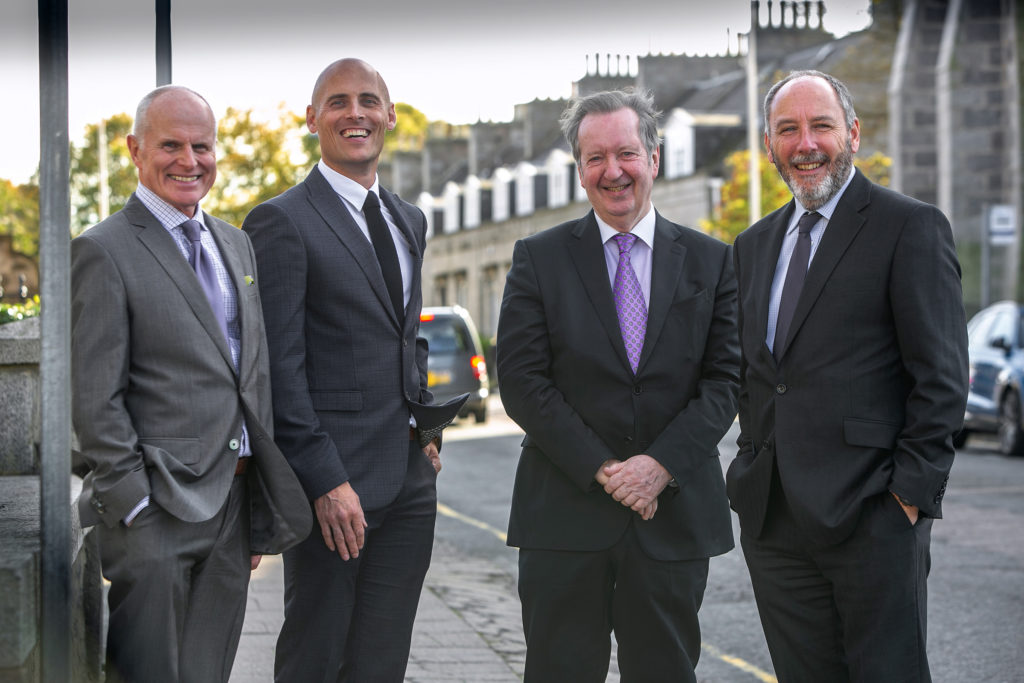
(177, 593)
(352, 621)
(573, 600)
(854, 611)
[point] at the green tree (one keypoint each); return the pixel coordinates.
(410, 130)
(20, 215)
(733, 216)
(85, 176)
(256, 160)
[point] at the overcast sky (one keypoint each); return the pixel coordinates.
(456, 60)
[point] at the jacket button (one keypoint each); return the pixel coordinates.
(638, 389)
(405, 343)
(98, 505)
(233, 444)
(781, 389)
(767, 445)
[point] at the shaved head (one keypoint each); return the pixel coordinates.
(351, 65)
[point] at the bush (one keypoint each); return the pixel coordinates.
(11, 312)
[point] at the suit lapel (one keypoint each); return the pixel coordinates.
(248, 321)
(846, 222)
(160, 243)
(391, 201)
(666, 269)
(332, 209)
(767, 245)
(587, 253)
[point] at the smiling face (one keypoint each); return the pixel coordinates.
(615, 169)
(175, 149)
(808, 141)
(351, 113)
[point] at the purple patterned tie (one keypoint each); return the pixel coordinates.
(629, 301)
(205, 272)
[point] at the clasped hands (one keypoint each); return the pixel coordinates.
(341, 518)
(634, 482)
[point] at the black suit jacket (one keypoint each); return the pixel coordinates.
(872, 382)
(565, 379)
(343, 367)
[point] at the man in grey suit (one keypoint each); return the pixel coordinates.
(172, 408)
(341, 296)
(854, 380)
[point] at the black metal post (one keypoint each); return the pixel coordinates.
(163, 42)
(55, 264)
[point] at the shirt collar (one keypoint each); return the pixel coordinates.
(644, 228)
(826, 210)
(169, 216)
(350, 190)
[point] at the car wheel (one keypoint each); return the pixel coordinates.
(960, 438)
(480, 415)
(1011, 433)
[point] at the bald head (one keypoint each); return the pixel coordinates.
(349, 66)
(178, 96)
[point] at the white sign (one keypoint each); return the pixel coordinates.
(1002, 225)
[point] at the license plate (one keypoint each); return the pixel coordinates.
(435, 378)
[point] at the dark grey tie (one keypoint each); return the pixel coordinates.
(794, 279)
(205, 272)
(384, 246)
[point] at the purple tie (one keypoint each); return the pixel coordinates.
(794, 281)
(205, 272)
(629, 302)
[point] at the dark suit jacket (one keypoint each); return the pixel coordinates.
(158, 408)
(565, 379)
(872, 382)
(343, 367)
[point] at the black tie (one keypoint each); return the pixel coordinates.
(794, 279)
(384, 245)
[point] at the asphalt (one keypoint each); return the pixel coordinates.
(468, 625)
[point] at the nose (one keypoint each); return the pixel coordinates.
(808, 141)
(186, 156)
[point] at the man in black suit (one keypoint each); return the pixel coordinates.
(617, 354)
(853, 384)
(341, 296)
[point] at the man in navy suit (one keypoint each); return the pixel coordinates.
(340, 260)
(852, 387)
(622, 370)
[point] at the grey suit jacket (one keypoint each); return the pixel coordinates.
(158, 408)
(870, 384)
(344, 368)
(566, 380)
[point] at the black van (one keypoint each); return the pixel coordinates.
(455, 363)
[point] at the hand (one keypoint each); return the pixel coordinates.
(602, 478)
(648, 512)
(912, 511)
(636, 482)
(430, 450)
(254, 561)
(341, 520)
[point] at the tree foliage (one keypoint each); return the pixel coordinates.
(733, 215)
(85, 176)
(20, 215)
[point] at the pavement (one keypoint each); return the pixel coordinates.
(468, 625)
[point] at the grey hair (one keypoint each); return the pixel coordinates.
(142, 111)
(642, 102)
(841, 91)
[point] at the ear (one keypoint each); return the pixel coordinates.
(855, 136)
(311, 119)
(656, 161)
(392, 116)
(133, 148)
(768, 149)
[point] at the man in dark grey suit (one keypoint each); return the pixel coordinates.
(341, 295)
(617, 355)
(854, 380)
(172, 409)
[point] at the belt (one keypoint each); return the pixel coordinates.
(241, 466)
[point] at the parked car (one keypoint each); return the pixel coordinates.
(455, 363)
(996, 348)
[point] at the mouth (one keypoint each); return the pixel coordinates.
(809, 163)
(615, 189)
(183, 178)
(355, 133)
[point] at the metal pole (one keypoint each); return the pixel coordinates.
(986, 259)
(163, 42)
(55, 264)
(753, 139)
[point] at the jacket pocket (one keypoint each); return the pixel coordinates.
(337, 400)
(870, 433)
(185, 451)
